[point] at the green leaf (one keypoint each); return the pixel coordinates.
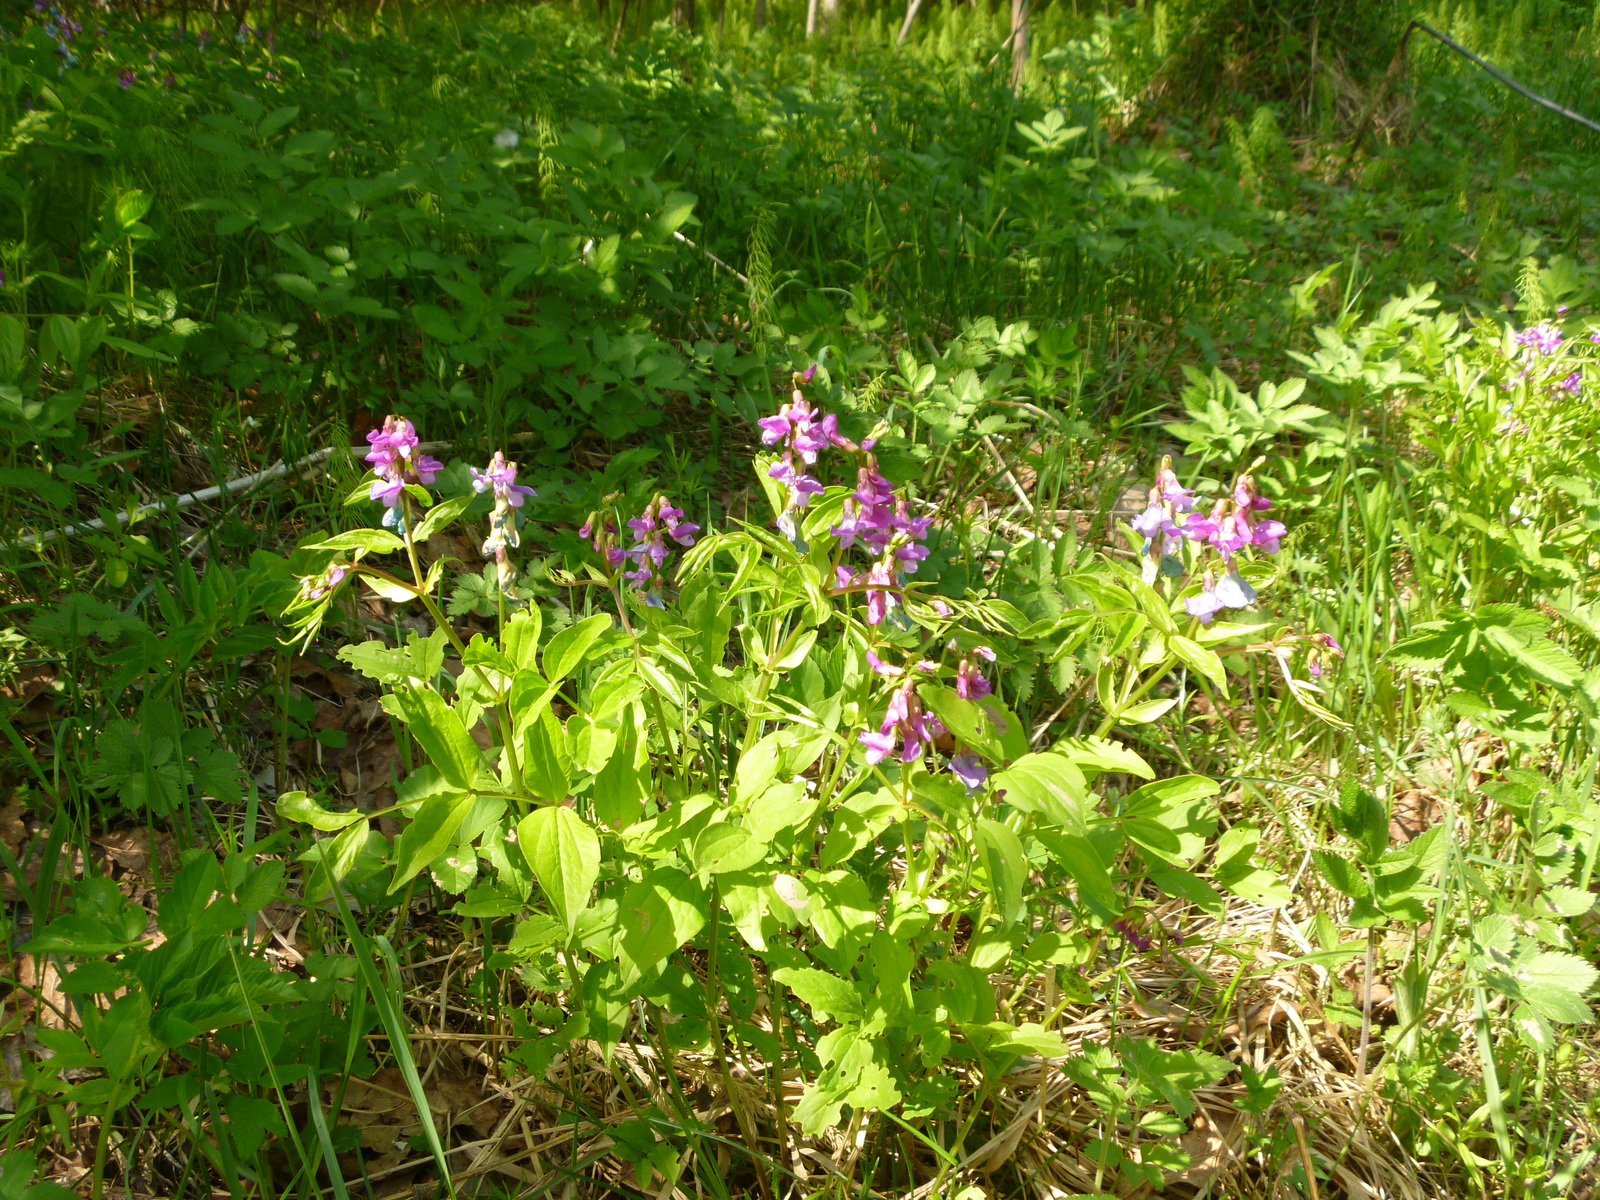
(297, 806)
(827, 996)
(624, 781)
(368, 541)
(1553, 985)
(1188, 886)
(723, 847)
(1006, 866)
(568, 648)
(419, 659)
(431, 830)
(1101, 754)
(1200, 660)
(440, 515)
(1077, 856)
(439, 731)
(436, 323)
(564, 853)
(967, 720)
(1344, 875)
(1047, 784)
(546, 762)
(520, 638)
(657, 915)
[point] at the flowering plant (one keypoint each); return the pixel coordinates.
(811, 802)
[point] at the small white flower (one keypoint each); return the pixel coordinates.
(507, 139)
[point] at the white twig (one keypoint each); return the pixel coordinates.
(203, 496)
(742, 279)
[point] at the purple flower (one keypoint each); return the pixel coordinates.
(1572, 384)
(1234, 592)
(1173, 492)
(1542, 339)
(1205, 605)
(1265, 536)
(880, 581)
(388, 491)
(910, 554)
(501, 476)
(315, 587)
(126, 77)
(970, 771)
(801, 486)
(905, 723)
(1135, 939)
(970, 683)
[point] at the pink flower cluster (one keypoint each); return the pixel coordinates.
(873, 518)
(1231, 525)
(1543, 339)
(500, 477)
(906, 725)
(659, 521)
(803, 432)
(395, 461)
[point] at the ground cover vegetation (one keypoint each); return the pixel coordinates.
(780, 601)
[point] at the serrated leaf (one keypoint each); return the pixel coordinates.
(1553, 984)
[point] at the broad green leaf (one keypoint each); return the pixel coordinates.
(546, 760)
(1077, 856)
(1047, 784)
(1145, 711)
(431, 830)
(827, 996)
(441, 515)
(567, 649)
(1101, 754)
(368, 541)
(622, 784)
(520, 638)
(782, 806)
(1188, 886)
(564, 853)
(1006, 866)
(724, 847)
(439, 731)
(657, 915)
(1200, 660)
(420, 659)
(966, 719)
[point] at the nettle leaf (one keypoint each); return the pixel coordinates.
(564, 853)
(1553, 984)
(827, 996)
(657, 915)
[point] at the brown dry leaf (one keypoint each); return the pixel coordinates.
(129, 850)
(1212, 1145)
(13, 828)
(1415, 811)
